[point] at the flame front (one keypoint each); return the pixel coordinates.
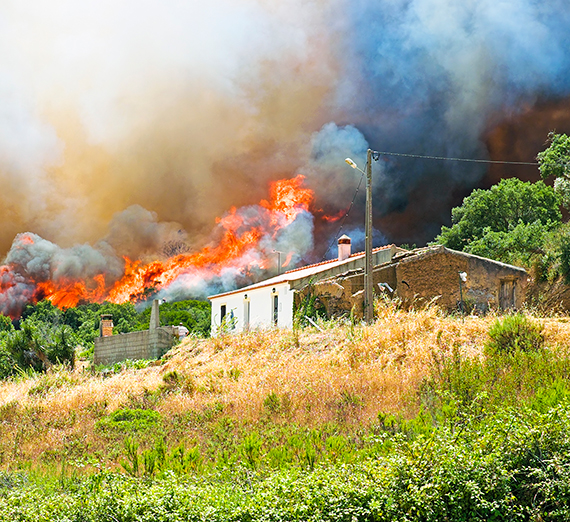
(239, 233)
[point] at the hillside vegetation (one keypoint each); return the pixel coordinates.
(420, 416)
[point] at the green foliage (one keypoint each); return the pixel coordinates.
(512, 465)
(6, 325)
(555, 160)
(555, 262)
(49, 382)
(26, 349)
(250, 449)
(309, 307)
(511, 214)
(7, 362)
(195, 315)
(272, 402)
(178, 381)
(520, 245)
(516, 332)
(129, 420)
(47, 335)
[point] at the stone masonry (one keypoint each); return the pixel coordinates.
(421, 275)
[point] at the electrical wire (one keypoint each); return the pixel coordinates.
(337, 235)
(470, 160)
(377, 155)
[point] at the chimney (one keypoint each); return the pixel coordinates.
(343, 247)
(106, 325)
(154, 315)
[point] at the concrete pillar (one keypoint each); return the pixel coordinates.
(154, 316)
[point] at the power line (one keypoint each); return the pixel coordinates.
(377, 154)
(445, 158)
(345, 216)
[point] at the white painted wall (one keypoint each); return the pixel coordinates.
(260, 308)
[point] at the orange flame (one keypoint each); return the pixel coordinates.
(239, 238)
(334, 217)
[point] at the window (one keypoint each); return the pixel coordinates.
(246, 313)
(275, 309)
(223, 311)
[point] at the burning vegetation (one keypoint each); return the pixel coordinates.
(242, 242)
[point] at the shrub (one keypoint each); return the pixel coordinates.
(515, 333)
(129, 420)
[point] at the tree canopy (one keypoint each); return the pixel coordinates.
(510, 219)
(555, 162)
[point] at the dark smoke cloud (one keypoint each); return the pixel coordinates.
(432, 77)
(176, 111)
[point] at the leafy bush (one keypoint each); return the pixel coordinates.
(7, 363)
(515, 333)
(129, 420)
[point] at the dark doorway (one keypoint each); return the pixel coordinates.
(275, 309)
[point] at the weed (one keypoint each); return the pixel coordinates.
(272, 403)
(515, 332)
(174, 381)
(51, 381)
(234, 373)
(128, 420)
(250, 449)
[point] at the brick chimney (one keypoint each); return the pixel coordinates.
(106, 325)
(344, 247)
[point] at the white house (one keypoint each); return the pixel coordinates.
(270, 303)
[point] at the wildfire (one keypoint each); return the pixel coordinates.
(238, 234)
(334, 217)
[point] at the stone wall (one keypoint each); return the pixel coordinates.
(435, 273)
(147, 344)
(423, 275)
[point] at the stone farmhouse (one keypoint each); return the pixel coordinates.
(456, 280)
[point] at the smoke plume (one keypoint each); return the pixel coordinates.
(127, 128)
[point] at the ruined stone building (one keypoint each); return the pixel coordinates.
(455, 280)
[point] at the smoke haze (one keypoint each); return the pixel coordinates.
(126, 126)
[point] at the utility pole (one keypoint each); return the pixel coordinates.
(368, 289)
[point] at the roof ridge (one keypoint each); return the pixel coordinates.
(377, 249)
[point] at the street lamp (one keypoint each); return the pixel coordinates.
(368, 293)
(462, 279)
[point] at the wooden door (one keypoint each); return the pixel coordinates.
(507, 294)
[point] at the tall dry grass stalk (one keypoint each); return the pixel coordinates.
(345, 374)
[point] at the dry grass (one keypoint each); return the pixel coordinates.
(345, 375)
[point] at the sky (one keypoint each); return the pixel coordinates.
(139, 122)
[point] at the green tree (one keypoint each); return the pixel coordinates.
(506, 222)
(195, 315)
(555, 162)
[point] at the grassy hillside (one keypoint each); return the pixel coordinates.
(339, 380)
(416, 400)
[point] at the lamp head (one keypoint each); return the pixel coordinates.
(351, 163)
